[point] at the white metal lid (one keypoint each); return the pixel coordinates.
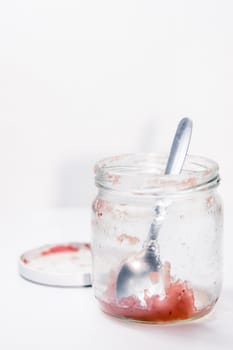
(64, 265)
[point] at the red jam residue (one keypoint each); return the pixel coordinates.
(87, 245)
(178, 303)
(60, 249)
(129, 239)
(101, 206)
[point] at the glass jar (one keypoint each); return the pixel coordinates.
(130, 187)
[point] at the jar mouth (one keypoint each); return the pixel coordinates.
(143, 173)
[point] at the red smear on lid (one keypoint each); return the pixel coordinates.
(60, 249)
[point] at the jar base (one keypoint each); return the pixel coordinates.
(149, 318)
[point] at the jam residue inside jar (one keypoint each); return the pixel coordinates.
(177, 304)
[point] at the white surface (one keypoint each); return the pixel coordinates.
(83, 79)
(39, 317)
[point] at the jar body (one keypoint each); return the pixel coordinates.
(189, 241)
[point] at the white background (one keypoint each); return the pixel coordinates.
(81, 80)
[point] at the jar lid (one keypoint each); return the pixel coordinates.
(64, 265)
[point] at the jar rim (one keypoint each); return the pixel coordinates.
(143, 173)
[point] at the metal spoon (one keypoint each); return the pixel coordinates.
(137, 270)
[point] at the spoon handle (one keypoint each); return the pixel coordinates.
(174, 166)
(179, 147)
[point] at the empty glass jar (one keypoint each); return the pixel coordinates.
(189, 241)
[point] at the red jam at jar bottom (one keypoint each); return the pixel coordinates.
(177, 304)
